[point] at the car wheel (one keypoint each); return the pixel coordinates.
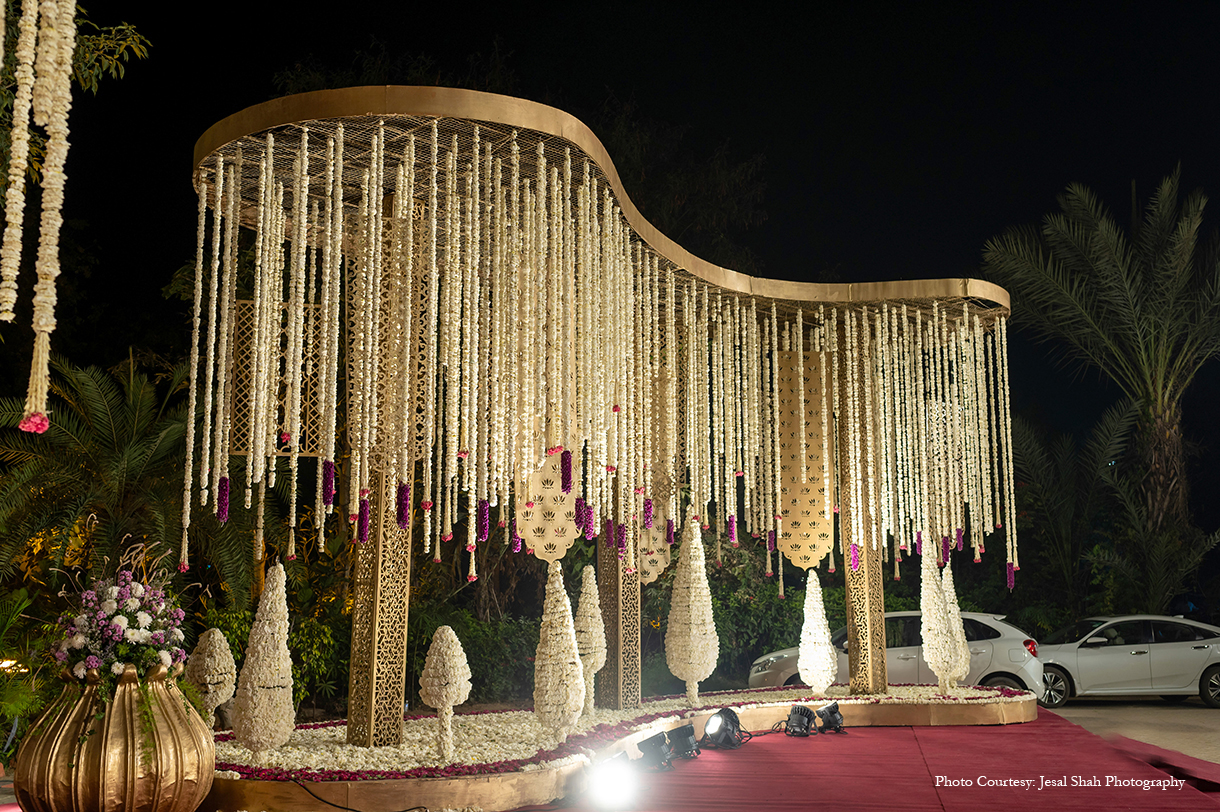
(795, 679)
(1175, 699)
(1209, 687)
(1057, 687)
(1003, 682)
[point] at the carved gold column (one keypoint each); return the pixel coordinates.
(618, 683)
(379, 625)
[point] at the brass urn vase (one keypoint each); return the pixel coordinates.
(145, 749)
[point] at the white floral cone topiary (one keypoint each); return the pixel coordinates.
(691, 644)
(559, 685)
(263, 715)
(211, 669)
(590, 633)
(939, 650)
(445, 682)
(953, 614)
(817, 662)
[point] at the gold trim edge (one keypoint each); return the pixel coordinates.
(448, 102)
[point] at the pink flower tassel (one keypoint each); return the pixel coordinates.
(565, 471)
(363, 532)
(945, 547)
(328, 482)
(621, 541)
(919, 542)
(669, 532)
(609, 534)
(222, 500)
(855, 556)
(35, 422)
(404, 506)
(733, 531)
(648, 513)
(960, 540)
(484, 521)
(771, 541)
(517, 540)
(1012, 576)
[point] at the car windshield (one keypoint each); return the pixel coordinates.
(1070, 634)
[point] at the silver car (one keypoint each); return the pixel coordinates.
(1000, 655)
(1132, 654)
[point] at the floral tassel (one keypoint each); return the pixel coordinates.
(565, 471)
(855, 556)
(1012, 577)
(222, 500)
(919, 542)
(580, 514)
(945, 547)
(363, 519)
(609, 534)
(831, 555)
(771, 541)
(484, 521)
(960, 540)
(621, 541)
(517, 540)
(404, 506)
(472, 575)
(648, 514)
(669, 532)
(590, 523)
(733, 531)
(328, 483)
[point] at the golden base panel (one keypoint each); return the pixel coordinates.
(504, 791)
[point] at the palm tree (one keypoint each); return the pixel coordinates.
(1144, 309)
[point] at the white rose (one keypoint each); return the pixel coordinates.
(109, 607)
(143, 619)
(131, 604)
(120, 621)
(79, 670)
(166, 659)
(118, 668)
(137, 589)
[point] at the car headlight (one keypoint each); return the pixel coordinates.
(764, 665)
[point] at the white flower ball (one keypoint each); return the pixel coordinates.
(79, 670)
(81, 622)
(120, 621)
(177, 636)
(137, 589)
(118, 668)
(145, 635)
(143, 619)
(132, 635)
(76, 641)
(112, 593)
(166, 659)
(131, 604)
(109, 607)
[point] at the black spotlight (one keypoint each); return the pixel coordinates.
(682, 741)
(832, 720)
(801, 722)
(657, 752)
(723, 730)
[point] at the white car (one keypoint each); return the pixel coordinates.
(1132, 654)
(1000, 654)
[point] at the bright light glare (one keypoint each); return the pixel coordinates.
(713, 724)
(613, 784)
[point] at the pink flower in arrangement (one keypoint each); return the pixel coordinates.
(446, 537)
(998, 526)
(37, 422)
(285, 437)
(855, 556)
(463, 455)
(426, 505)
(615, 408)
(471, 578)
(754, 536)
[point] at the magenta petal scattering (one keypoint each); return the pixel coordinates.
(404, 506)
(328, 482)
(222, 500)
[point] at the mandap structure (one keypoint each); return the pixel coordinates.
(456, 309)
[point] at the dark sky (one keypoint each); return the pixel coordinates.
(898, 137)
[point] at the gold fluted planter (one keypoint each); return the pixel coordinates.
(84, 755)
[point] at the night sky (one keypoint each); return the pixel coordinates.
(898, 139)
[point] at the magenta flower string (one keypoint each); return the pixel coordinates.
(580, 514)
(590, 523)
(669, 532)
(733, 531)
(648, 513)
(919, 542)
(945, 547)
(609, 534)
(565, 471)
(404, 506)
(960, 540)
(484, 521)
(771, 541)
(1012, 576)
(328, 482)
(222, 500)
(363, 532)
(517, 540)
(621, 540)
(855, 556)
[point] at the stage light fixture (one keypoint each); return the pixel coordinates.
(832, 720)
(613, 784)
(801, 722)
(655, 751)
(682, 741)
(723, 730)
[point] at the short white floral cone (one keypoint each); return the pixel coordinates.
(559, 684)
(590, 633)
(691, 644)
(953, 613)
(445, 682)
(263, 715)
(211, 669)
(939, 650)
(816, 662)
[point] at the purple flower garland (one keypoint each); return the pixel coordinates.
(328, 482)
(404, 506)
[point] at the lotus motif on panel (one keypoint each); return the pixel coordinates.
(548, 527)
(655, 554)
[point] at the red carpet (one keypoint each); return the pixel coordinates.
(883, 768)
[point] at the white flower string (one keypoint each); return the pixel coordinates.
(201, 190)
(18, 158)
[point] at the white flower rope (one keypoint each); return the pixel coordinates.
(18, 159)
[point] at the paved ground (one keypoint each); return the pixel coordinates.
(1189, 727)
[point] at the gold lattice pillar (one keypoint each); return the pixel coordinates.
(379, 625)
(618, 683)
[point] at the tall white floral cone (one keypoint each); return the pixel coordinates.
(590, 633)
(445, 682)
(559, 684)
(691, 644)
(939, 650)
(816, 662)
(953, 614)
(211, 669)
(263, 715)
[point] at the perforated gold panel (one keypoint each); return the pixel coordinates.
(655, 553)
(549, 527)
(807, 531)
(618, 683)
(379, 626)
(311, 405)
